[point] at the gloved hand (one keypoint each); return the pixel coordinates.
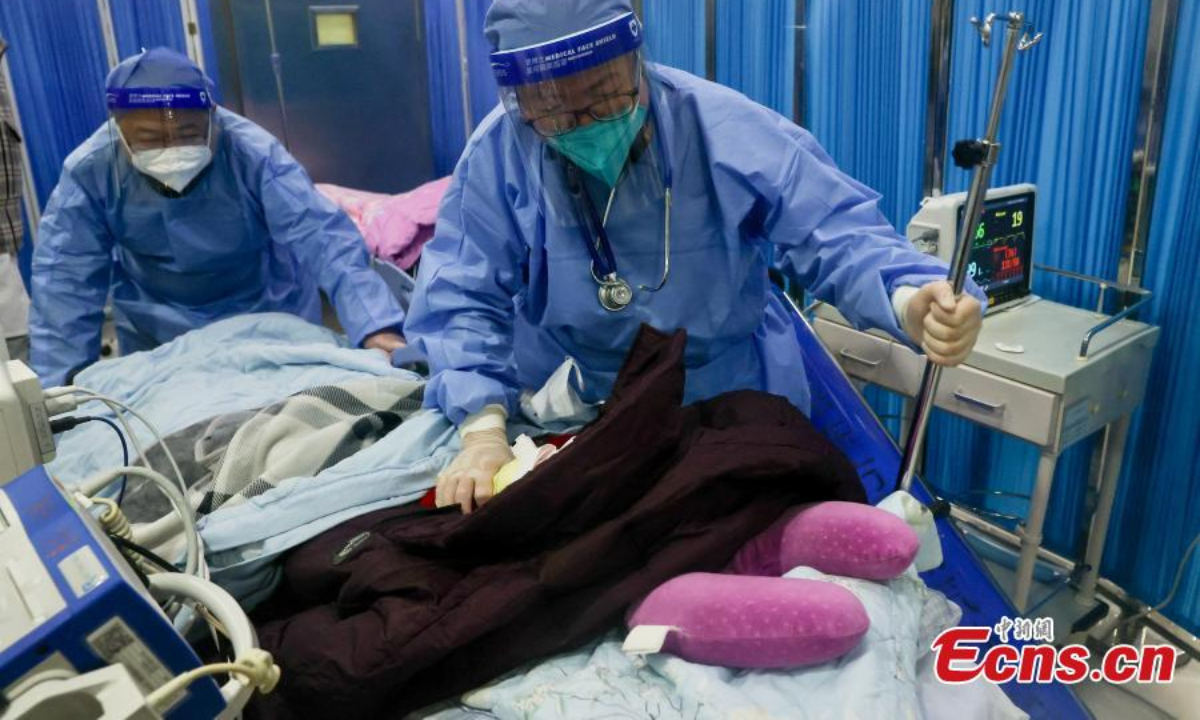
(468, 479)
(384, 340)
(944, 326)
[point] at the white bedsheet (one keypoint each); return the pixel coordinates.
(888, 676)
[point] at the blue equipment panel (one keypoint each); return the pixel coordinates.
(100, 615)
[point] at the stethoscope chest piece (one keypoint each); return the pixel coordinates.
(615, 294)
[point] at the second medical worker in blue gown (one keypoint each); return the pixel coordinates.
(189, 213)
(608, 192)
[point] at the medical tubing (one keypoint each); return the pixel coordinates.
(155, 560)
(157, 532)
(62, 425)
(1183, 562)
(253, 663)
(67, 395)
(191, 536)
(116, 525)
(116, 405)
(257, 667)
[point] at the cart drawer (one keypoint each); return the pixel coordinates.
(1011, 407)
(871, 358)
(989, 400)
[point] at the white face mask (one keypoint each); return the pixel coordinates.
(174, 167)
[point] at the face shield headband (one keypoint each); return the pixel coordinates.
(567, 55)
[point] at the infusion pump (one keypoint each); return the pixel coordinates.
(1001, 251)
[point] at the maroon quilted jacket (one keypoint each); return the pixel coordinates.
(404, 607)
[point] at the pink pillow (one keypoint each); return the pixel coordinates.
(754, 622)
(837, 538)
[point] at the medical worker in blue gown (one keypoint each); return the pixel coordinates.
(608, 192)
(188, 213)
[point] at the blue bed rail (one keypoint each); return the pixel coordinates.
(843, 415)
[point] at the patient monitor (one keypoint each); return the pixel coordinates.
(1001, 251)
(25, 438)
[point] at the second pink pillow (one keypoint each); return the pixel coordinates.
(837, 538)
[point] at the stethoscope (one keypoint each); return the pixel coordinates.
(614, 292)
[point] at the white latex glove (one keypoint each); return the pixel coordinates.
(468, 479)
(944, 326)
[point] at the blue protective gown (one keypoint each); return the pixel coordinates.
(252, 234)
(504, 294)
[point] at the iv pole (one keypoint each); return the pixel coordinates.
(277, 70)
(980, 154)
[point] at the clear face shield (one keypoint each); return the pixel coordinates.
(583, 121)
(166, 133)
(580, 109)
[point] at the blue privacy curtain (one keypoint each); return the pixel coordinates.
(675, 33)
(756, 49)
(445, 77)
(865, 88)
(1069, 127)
(445, 89)
(138, 24)
(58, 64)
(1158, 503)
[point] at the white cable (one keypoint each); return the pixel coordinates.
(212, 596)
(1187, 555)
(191, 536)
(254, 664)
(116, 406)
(61, 400)
(157, 533)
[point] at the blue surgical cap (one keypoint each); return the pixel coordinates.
(517, 23)
(158, 68)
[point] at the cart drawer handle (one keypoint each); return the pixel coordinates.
(990, 407)
(851, 356)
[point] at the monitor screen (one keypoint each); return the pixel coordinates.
(1002, 248)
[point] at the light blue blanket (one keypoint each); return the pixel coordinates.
(246, 363)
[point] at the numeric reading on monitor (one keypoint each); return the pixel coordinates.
(1001, 248)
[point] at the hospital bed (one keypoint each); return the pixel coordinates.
(837, 409)
(845, 417)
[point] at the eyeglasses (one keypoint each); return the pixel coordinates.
(607, 109)
(150, 131)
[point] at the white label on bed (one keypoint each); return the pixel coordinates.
(646, 639)
(115, 642)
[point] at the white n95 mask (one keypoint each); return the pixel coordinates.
(557, 402)
(174, 167)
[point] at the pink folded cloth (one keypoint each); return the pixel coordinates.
(395, 227)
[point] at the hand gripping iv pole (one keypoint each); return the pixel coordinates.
(980, 154)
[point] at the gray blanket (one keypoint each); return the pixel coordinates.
(231, 458)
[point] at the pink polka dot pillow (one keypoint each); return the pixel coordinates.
(754, 622)
(837, 538)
